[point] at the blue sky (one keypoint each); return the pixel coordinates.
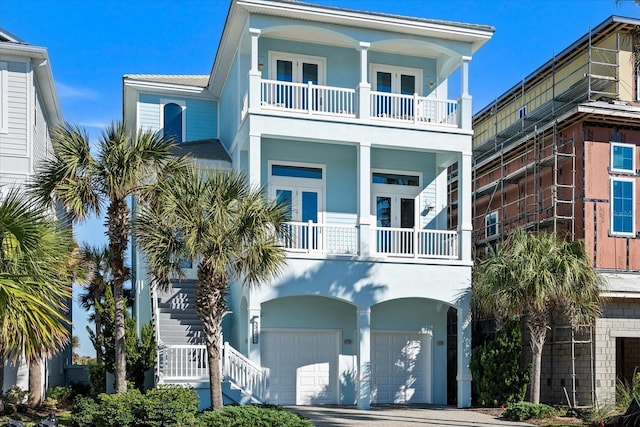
(93, 43)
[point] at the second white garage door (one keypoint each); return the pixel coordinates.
(400, 367)
(303, 366)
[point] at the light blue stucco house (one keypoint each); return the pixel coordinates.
(348, 116)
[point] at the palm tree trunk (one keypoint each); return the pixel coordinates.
(210, 306)
(2, 362)
(118, 227)
(35, 382)
(538, 333)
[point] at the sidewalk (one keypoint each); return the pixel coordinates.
(397, 416)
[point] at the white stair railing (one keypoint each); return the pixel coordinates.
(244, 373)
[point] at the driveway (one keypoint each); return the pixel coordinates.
(397, 416)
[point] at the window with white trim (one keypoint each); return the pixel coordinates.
(623, 158)
(173, 119)
(623, 214)
(4, 98)
(491, 224)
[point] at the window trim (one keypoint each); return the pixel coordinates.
(486, 224)
(401, 190)
(321, 61)
(613, 144)
(4, 97)
(612, 232)
(180, 102)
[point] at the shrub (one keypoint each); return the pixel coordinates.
(118, 410)
(97, 379)
(526, 410)
(495, 366)
(252, 416)
(50, 403)
(170, 406)
(83, 412)
(15, 395)
(625, 392)
(62, 395)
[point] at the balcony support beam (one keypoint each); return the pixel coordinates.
(255, 160)
(364, 87)
(464, 102)
(364, 359)
(463, 376)
(464, 205)
(254, 73)
(364, 196)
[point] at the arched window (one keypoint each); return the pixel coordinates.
(173, 121)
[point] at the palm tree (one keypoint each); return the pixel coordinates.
(97, 260)
(228, 228)
(535, 276)
(34, 250)
(83, 184)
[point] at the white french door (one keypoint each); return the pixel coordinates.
(395, 80)
(395, 212)
(301, 70)
(305, 209)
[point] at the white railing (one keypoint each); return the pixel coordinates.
(155, 318)
(413, 108)
(308, 97)
(183, 362)
(417, 243)
(310, 237)
(245, 374)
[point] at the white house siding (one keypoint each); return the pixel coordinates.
(41, 144)
(14, 143)
(148, 116)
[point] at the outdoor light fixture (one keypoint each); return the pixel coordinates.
(254, 330)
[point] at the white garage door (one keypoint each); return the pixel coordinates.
(400, 367)
(303, 366)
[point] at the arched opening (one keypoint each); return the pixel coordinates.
(173, 121)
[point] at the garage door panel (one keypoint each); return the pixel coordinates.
(399, 368)
(305, 364)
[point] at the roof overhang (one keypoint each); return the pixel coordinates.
(43, 75)
(239, 11)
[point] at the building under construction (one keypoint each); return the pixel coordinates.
(559, 151)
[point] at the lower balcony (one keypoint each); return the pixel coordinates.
(335, 239)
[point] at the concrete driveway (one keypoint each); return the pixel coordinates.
(397, 416)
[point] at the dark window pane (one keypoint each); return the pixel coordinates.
(285, 197)
(396, 179)
(407, 213)
(383, 81)
(383, 211)
(407, 84)
(296, 171)
(173, 121)
(309, 73)
(309, 206)
(284, 71)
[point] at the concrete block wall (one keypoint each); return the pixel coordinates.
(620, 319)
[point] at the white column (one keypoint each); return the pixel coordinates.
(253, 335)
(464, 353)
(465, 98)
(364, 359)
(254, 74)
(364, 87)
(464, 205)
(255, 160)
(364, 197)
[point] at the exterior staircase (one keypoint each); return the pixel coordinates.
(182, 356)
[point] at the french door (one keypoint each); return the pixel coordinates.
(304, 206)
(293, 69)
(394, 212)
(396, 80)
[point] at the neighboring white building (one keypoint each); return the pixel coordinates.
(29, 108)
(347, 116)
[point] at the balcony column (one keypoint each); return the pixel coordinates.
(254, 74)
(255, 160)
(364, 87)
(254, 337)
(464, 102)
(464, 206)
(364, 359)
(364, 197)
(463, 376)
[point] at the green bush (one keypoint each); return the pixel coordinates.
(83, 412)
(165, 406)
(495, 366)
(62, 395)
(15, 395)
(97, 379)
(526, 410)
(252, 416)
(170, 406)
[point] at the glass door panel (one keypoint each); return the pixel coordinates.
(310, 74)
(383, 220)
(309, 200)
(383, 84)
(284, 73)
(407, 213)
(407, 87)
